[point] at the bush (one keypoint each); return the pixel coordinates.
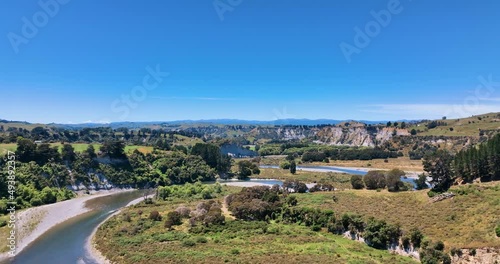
(3, 223)
(472, 252)
(183, 211)
(316, 228)
(285, 165)
(456, 252)
(201, 240)
(439, 246)
(174, 217)
(357, 182)
(432, 193)
(155, 216)
(188, 242)
(497, 230)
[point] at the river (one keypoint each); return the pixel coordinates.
(335, 169)
(66, 242)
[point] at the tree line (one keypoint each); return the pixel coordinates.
(478, 162)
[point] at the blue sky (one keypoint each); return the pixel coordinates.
(247, 59)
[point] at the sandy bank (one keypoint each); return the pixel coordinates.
(33, 222)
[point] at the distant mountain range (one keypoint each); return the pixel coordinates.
(304, 122)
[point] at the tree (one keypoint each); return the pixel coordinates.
(90, 152)
(393, 178)
(375, 180)
(114, 149)
(421, 182)
(438, 166)
(25, 150)
(389, 124)
(68, 153)
(357, 182)
(413, 132)
(403, 125)
(44, 153)
(293, 167)
(246, 169)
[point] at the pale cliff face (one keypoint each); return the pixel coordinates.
(329, 135)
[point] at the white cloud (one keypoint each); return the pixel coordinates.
(195, 98)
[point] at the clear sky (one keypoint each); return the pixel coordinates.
(87, 60)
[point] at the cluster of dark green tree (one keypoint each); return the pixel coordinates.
(44, 173)
(161, 138)
(349, 154)
(246, 169)
(312, 152)
(375, 180)
(478, 162)
(417, 152)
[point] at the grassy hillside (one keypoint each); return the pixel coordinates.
(461, 127)
(237, 242)
(466, 221)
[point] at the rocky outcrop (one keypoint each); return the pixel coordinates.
(477, 256)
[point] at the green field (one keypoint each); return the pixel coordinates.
(80, 147)
(236, 242)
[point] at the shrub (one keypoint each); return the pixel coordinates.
(285, 165)
(439, 246)
(126, 217)
(456, 252)
(472, 252)
(3, 223)
(235, 251)
(155, 216)
(291, 200)
(201, 240)
(174, 217)
(497, 230)
(188, 242)
(316, 228)
(357, 182)
(183, 211)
